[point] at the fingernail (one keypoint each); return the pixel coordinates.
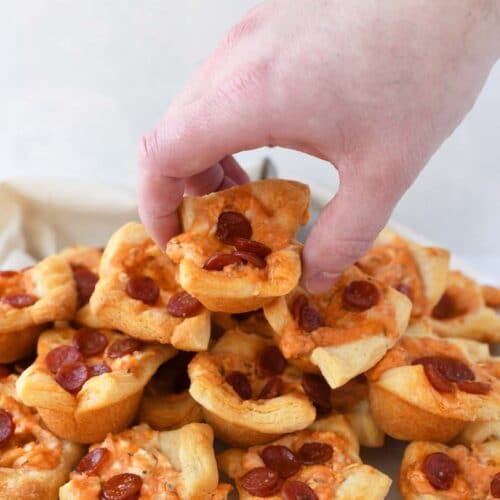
(320, 282)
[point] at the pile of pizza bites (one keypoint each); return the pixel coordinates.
(121, 365)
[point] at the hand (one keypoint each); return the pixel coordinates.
(373, 87)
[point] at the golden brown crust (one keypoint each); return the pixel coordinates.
(132, 252)
(18, 345)
(106, 403)
(51, 281)
(491, 296)
(276, 209)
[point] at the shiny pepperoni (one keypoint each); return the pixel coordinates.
(251, 246)
(240, 383)
(8, 274)
(454, 369)
(183, 305)
(143, 288)
(91, 462)
(218, 261)
(360, 295)
(318, 391)
(274, 387)
(251, 258)
(90, 342)
(495, 486)
(474, 387)
(314, 453)
(405, 290)
(297, 490)
(232, 225)
(122, 487)
(98, 369)
(123, 347)
(85, 281)
(71, 377)
(270, 362)
(280, 459)
(5, 371)
(19, 300)
(59, 356)
(441, 371)
(436, 378)
(440, 470)
(7, 426)
(446, 308)
(310, 319)
(261, 482)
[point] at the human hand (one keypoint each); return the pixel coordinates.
(372, 87)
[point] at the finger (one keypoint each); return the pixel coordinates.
(233, 170)
(346, 228)
(208, 181)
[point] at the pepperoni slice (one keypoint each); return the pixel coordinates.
(270, 362)
(123, 347)
(19, 300)
(297, 490)
(5, 371)
(454, 369)
(474, 386)
(495, 486)
(232, 225)
(183, 305)
(71, 377)
(122, 487)
(218, 261)
(360, 295)
(251, 258)
(318, 391)
(7, 427)
(240, 383)
(280, 459)
(314, 453)
(436, 378)
(59, 356)
(91, 462)
(98, 369)
(440, 470)
(446, 308)
(274, 387)
(310, 319)
(261, 482)
(85, 281)
(8, 274)
(251, 246)
(143, 288)
(90, 342)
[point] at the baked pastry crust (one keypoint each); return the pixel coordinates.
(33, 463)
(491, 296)
(465, 313)
(418, 271)
(51, 282)
(131, 252)
(178, 464)
(476, 468)
(417, 410)
(362, 335)
(243, 422)
(276, 209)
(343, 477)
(106, 403)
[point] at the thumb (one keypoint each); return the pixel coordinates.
(346, 228)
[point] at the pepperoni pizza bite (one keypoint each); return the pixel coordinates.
(138, 294)
(313, 464)
(462, 312)
(144, 464)
(435, 471)
(86, 383)
(251, 322)
(358, 319)
(428, 388)
(30, 298)
(491, 296)
(166, 403)
(417, 271)
(33, 462)
(249, 393)
(238, 251)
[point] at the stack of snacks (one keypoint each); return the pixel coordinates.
(138, 347)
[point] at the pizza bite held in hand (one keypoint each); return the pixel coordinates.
(86, 383)
(138, 294)
(342, 332)
(237, 250)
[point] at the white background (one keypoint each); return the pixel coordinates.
(81, 80)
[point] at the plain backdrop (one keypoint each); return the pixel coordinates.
(81, 80)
